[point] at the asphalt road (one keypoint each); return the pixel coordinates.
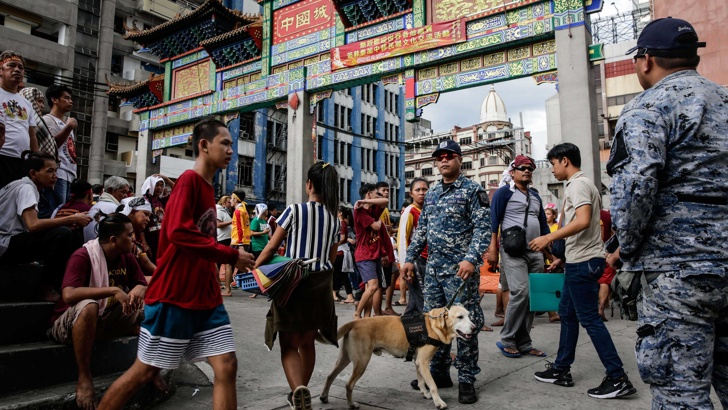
(503, 382)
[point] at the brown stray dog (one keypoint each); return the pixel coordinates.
(386, 333)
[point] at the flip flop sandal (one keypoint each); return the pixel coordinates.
(532, 353)
(505, 352)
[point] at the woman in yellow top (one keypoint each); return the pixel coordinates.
(551, 215)
(240, 236)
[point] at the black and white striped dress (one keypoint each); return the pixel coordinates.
(312, 231)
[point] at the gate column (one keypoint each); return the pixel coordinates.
(577, 97)
(301, 149)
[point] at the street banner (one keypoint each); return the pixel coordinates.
(398, 43)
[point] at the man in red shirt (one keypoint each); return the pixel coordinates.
(184, 314)
(96, 308)
(370, 243)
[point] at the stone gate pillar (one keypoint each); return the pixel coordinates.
(301, 147)
(577, 97)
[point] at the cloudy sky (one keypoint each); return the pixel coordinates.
(520, 96)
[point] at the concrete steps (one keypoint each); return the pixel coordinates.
(25, 322)
(30, 365)
(63, 396)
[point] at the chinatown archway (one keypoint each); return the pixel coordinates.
(301, 51)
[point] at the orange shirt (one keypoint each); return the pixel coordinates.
(241, 225)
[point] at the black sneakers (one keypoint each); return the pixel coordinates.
(302, 398)
(442, 382)
(466, 393)
(552, 375)
(612, 388)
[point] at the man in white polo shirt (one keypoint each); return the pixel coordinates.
(19, 121)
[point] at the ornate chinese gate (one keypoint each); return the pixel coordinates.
(219, 61)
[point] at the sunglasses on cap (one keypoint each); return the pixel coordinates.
(138, 201)
(446, 155)
(524, 168)
(640, 53)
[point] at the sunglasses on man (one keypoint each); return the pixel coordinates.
(446, 155)
(524, 168)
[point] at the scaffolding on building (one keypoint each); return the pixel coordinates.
(621, 27)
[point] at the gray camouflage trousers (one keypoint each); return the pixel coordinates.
(682, 346)
(439, 289)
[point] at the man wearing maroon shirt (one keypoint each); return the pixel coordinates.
(95, 308)
(184, 314)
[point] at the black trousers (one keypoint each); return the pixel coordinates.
(53, 247)
(340, 277)
(11, 169)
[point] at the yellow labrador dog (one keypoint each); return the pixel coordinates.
(386, 333)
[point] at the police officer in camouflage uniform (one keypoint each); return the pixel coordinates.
(669, 206)
(454, 225)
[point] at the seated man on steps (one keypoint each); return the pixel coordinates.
(103, 298)
(23, 237)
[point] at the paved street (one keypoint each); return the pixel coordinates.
(503, 382)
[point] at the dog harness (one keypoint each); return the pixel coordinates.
(416, 331)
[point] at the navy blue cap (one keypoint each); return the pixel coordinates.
(668, 37)
(448, 145)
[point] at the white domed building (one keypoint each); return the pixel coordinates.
(488, 146)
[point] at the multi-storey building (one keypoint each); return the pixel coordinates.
(358, 128)
(488, 146)
(81, 44)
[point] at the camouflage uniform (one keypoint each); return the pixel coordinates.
(669, 206)
(455, 226)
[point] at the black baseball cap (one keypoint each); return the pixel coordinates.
(448, 145)
(668, 37)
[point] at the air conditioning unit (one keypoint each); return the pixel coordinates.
(127, 157)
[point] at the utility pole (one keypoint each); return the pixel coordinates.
(101, 101)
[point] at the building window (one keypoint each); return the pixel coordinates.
(112, 143)
(409, 174)
(482, 162)
(466, 140)
(245, 171)
(467, 165)
(426, 172)
(493, 160)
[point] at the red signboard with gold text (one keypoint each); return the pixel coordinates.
(399, 43)
(305, 17)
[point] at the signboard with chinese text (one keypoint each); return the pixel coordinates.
(398, 43)
(444, 10)
(302, 18)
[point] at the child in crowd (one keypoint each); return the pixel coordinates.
(184, 318)
(311, 230)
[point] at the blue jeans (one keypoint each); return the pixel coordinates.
(579, 305)
(62, 190)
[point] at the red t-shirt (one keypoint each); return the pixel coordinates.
(186, 275)
(124, 273)
(367, 239)
(415, 220)
(606, 224)
(72, 209)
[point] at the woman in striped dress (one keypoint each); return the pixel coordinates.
(311, 230)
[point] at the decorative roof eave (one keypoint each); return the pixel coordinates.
(358, 12)
(237, 45)
(211, 9)
(140, 94)
(253, 31)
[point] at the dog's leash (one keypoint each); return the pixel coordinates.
(455, 296)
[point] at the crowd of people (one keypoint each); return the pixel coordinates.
(158, 264)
